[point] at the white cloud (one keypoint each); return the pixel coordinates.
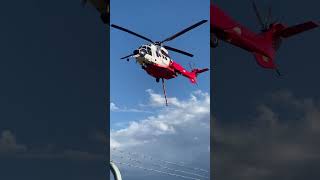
(115, 108)
(178, 132)
(179, 114)
(158, 100)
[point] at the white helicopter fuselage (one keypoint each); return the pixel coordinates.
(152, 54)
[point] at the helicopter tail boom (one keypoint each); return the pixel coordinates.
(191, 75)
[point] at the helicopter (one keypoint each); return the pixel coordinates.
(155, 60)
(263, 45)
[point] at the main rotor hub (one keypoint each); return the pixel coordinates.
(158, 43)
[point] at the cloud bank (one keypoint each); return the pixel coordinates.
(179, 132)
(115, 108)
(279, 143)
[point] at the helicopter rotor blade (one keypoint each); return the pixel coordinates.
(190, 66)
(269, 18)
(131, 32)
(178, 51)
(184, 31)
(125, 57)
(135, 52)
(256, 11)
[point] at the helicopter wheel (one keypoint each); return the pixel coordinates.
(157, 80)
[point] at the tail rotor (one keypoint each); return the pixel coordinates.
(264, 21)
(191, 65)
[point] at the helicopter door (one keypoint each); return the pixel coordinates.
(158, 57)
(165, 59)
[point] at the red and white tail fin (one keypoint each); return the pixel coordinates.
(274, 37)
(194, 73)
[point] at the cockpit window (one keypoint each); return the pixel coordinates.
(164, 53)
(142, 47)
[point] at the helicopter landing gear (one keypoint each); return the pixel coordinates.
(157, 80)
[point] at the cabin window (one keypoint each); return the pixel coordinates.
(149, 51)
(163, 53)
(158, 55)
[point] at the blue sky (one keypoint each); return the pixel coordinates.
(157, 20)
